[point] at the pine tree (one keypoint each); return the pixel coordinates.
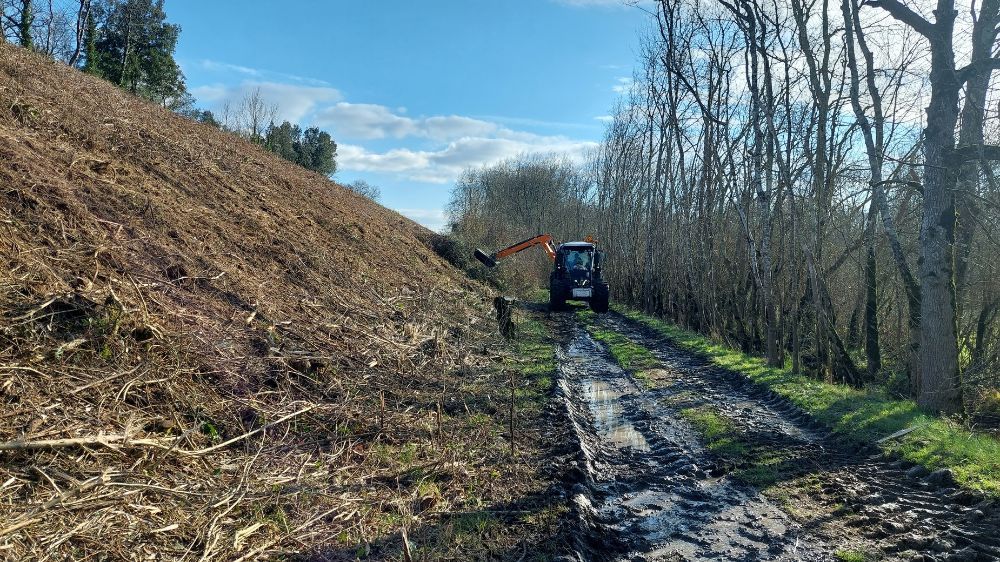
(318, 151)
(312, 149)
(285, 140)
(136, 50)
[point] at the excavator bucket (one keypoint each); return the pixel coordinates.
(487, 259)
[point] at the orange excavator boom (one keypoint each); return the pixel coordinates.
(544, 240)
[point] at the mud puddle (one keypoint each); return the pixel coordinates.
(651, 485)
(605, 406)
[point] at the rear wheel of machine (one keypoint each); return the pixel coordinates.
(557, 301)
(599, 303)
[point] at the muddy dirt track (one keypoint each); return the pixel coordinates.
(652, 491)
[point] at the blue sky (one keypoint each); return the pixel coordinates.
(416, 91)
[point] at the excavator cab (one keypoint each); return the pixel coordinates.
(576, 270)
(576, 276)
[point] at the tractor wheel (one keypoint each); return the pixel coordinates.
(557, 301)
(599, 303)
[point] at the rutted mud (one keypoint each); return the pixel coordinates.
(652, 489)
(655, 493)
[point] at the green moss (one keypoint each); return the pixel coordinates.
(862, 415)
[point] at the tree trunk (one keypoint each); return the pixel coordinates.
(874, 147)
(982, 326)
(82, 24)
(24, 26)
(973, 112)
(873, 352)
(940, 382)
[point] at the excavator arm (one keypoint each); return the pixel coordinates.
(544, 240)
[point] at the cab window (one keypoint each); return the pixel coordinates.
(578, 260)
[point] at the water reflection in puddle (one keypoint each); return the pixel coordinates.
(605, 406)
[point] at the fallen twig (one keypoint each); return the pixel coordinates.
(112, 441)
(19, 525)
(110, 377)
(248, 434)
(901, 433)
(89, 441)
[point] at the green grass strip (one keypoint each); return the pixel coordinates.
(718, 432)
(534, 360)
(850, 555)
(629, 355)
(864, 415)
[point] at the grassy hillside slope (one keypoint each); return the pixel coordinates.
(165, 288)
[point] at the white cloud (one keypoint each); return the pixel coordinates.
(528, 122)
(210, 94)
(216, 66)
(364, 121)
(220, 67)
(397, 160)
(623, 84)
(445, 164)
(370, 121)
(455, 142)
(294, 101)
(434, 219)
(452, 126)
(427, 149)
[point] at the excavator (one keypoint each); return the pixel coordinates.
(576, 270)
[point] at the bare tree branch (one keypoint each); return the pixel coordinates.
(904, 14)
(969, 71)
(975, 152)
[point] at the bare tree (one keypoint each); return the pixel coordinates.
(731, 197)
(83, 16)
(365, 189)
(940, 377)
(250, 115)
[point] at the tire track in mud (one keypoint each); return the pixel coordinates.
(651, 498)
(653, 492)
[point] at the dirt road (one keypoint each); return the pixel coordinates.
(779, 487)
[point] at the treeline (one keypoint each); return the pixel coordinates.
(131, 44)
(127, 42)
(772, 180)
(253, 118)
(499, 205)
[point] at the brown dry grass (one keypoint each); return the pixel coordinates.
(172, 286)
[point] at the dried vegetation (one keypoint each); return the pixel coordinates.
(209, 353)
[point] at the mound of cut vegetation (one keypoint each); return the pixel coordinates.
(203, 346)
